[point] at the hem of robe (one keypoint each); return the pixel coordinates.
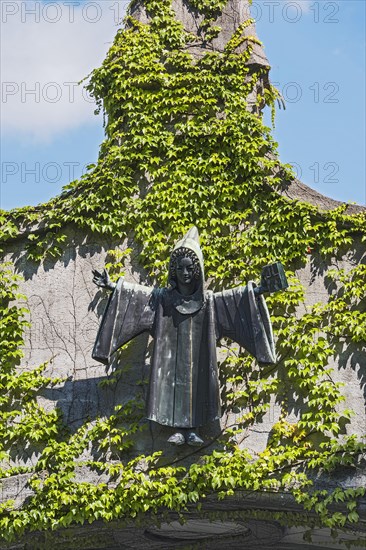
(180, 425)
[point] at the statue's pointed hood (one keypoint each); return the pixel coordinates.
(189, 245)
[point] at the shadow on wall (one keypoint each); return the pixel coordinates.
(319, 265)
(347, 355)
(84, 400)
(354, 356)
(78, 244)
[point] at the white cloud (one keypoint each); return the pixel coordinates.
(50, 58)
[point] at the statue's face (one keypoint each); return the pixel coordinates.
(185, 270)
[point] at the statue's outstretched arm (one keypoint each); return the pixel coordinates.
(102, 280)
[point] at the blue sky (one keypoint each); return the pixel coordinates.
(49, 132)
(317, 54)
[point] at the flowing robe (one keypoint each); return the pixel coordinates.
(184, 382)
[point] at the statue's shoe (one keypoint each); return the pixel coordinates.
(177, 439)
(194, 440)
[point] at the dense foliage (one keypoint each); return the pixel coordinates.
(182, 148)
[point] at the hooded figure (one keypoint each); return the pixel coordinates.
(185, 322)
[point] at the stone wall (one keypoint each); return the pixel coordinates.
(65, 310)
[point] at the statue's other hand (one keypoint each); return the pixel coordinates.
(102, 279)
(273, 278)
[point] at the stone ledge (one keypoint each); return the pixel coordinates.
(230, 523)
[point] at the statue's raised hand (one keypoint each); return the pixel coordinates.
(103, 280)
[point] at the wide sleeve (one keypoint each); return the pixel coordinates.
(243, 317)
(129, 312)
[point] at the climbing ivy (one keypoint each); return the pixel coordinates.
(182, 148)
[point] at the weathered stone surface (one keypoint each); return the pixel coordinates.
(235, 13)
(296, 190)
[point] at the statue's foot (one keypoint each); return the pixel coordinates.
(194, 440)
(177, 439)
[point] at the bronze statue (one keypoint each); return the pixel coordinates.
(185, 322)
